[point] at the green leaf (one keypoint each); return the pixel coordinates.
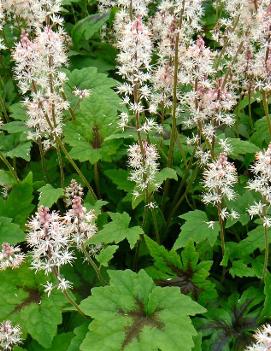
(80, 333)
(10, 232)
(15, 145)
(266, 312)
(87, 27)
(241, 204)
(23, 303)
(184, 271)
(253, 241)
(261, 135)
(69, 2)
(14, 127)
(96, 117)
(21, 151)
(18, 205)
(60, 343)
(120, 178)
(49, 195)
(6, 178)
(118, 230)
(90, 78)
(196, 229)
(87, 134)
(241, 147)
(240, 269)
(166, 173)
(18, 111)
(106, 255)
(132, 314)
(164, 259)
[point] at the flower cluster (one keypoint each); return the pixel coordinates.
(137, 7)
(49, 239)
(262, 175)
(2, 44)
(134, 60)
(38, 60)
(31, 13)
(81, 222)
(144, 167)
(261, 184)
(73, 190)
(9, 335)
(263, 339)
(219, 178)
(53, 237)
(10, 256)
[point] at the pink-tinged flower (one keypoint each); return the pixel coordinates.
(9, 335)
(49, 238)
(10, 256)
(81, 93)
(37, 70)
(219, 178)
(74, 189)
(262, 175)
(80, 221)
(144, 167)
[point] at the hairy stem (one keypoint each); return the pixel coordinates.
(60, 162)
(266, 110)
(222, 230)
(97, 179)
(266, 253)
(93, 265)
(73, 303)
(9, 166)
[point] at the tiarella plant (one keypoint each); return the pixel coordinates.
(135, 175)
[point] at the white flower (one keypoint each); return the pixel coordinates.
(10, 256)
(48, 287)
(262, 175)
(256, 209)
(263, 339)
(234, 215)
(144, 167)
(37, 70)
(226, 147)
(124, 119)
(219, 178)
(63, 284)
(266, 222)
(81, 93)
(49, 237)
(80, 221)
(9, 335)
(211, 224)
(151, 205)
(224, 214)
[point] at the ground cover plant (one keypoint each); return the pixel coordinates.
(135, 175)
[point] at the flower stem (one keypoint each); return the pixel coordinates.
(93, 265)
(60, 162)
(266, 254)
(266, 111)
(222, 230)
(72, 302)
(77, 169)
(174, 106)
(42, 158)
(9, 166)
(97, 179)
(156, 229)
